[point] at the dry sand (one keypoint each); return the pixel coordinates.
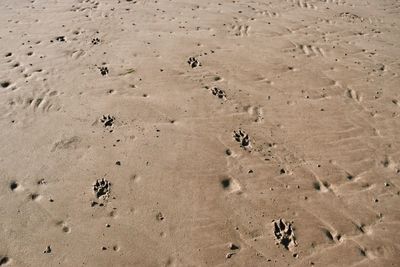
(200, 133)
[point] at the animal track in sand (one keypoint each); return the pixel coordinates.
(40, 102)
(193, 62)
(310, 50)
(102, 188)
(103, 70)
(83, 6)
(95, 41)
(218, 93)
(350, 93)
(35, 103)
(239, 29)
(66, 143)
(60, 38)
(350, 17)
(108, 121)
(284, 233)
(242, 138)
(304, 4)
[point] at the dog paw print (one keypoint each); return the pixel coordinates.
(284, 233)
(218, 92)
(95, 41)
(193, 62)
(242, 138)
(107, 121)
(103, 70)
(102, 188)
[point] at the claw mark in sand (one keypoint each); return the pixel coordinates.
(303, 4)
(218, 92)
(354, 95)
(284, 233)
(40, 102)
(310, 50)
(240, 30)
(242, 138)
(66, 143)
(102, 188)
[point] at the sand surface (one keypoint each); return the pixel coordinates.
(199, 133)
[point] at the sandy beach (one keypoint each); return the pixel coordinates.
(200, 133)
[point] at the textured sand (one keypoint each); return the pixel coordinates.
(199, 133)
